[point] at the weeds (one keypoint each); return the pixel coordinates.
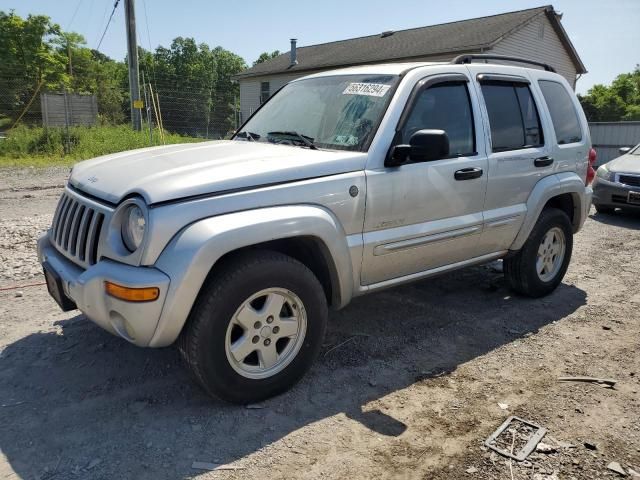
(38, 146)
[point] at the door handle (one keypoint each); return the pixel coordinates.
(543, 161)
(468, 173)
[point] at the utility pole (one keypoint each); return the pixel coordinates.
(69, 56)
(132, 49)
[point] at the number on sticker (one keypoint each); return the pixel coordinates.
(369, 89)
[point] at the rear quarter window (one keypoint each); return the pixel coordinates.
(563, 113)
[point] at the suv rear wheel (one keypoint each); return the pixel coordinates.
(539, 267)
(256, 328)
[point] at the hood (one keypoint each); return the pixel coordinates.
(166, 173)
(628, 163)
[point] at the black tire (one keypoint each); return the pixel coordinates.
(520, 269)
(202, 342)
(603, 209)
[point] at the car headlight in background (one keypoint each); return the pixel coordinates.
(133, 227)
(604, 174)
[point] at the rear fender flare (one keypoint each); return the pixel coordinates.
(546, 189)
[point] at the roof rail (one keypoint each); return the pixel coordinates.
(460, 59)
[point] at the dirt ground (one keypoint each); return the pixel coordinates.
(409, 385)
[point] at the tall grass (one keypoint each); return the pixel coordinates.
(38, 146)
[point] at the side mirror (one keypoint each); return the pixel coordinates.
(424, 146)
(624, 150)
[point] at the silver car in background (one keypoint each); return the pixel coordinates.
(617, 183)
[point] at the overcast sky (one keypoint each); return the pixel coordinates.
(606, 34)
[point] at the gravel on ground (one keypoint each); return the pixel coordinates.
(410, 383)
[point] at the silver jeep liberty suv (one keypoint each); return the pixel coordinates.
(343, 183)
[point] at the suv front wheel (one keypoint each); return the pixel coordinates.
(256, 328)
(539, 267)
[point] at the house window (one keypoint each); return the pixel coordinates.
(265, 92)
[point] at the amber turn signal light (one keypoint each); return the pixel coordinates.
(148, 294)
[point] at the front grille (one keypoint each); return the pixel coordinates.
(76, 229)
(629, 180)
(619, 198)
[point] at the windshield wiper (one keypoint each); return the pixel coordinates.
(308, 141)
(250, 136)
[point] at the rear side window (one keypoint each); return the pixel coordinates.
(445, 107)
(563, 113)
(513, 116)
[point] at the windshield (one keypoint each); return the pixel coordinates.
(338, 112)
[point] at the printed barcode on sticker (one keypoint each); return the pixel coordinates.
(370, 89)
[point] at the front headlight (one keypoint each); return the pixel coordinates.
(133, 227)
(604, 173)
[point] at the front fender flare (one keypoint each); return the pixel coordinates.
(193, 252)
(546, 189)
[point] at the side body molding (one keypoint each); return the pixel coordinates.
(547, 188)
(192, 253)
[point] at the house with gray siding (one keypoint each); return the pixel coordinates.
(535, 34)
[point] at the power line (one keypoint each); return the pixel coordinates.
(104, 16)
(115, 5)
(146, 21)
(153, 60)
(73, 17)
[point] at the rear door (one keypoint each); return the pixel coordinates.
(518, 153)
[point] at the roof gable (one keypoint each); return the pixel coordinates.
(463, 35)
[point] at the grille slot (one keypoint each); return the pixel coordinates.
(76, 229)
(629, 180)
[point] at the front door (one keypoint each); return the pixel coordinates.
(421, 216)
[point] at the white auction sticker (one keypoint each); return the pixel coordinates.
(370, 89)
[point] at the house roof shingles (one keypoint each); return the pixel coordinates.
(464, 35)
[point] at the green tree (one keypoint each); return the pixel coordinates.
(264, 56)
(36, 56)
(194, 86)
(227, 91)
(109, 82)
(28, 61)
(617, 102)
(91, 72)
(194, 81)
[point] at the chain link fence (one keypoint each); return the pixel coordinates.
(168, 110)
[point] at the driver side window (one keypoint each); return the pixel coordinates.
(445, 106)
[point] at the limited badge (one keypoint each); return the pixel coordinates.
(353, 191)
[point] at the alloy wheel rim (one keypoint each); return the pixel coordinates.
(266, 333)
(551, 254)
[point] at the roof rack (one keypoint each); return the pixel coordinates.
(460, 59)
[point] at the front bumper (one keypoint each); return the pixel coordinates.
(612, 194)
(133, 321)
